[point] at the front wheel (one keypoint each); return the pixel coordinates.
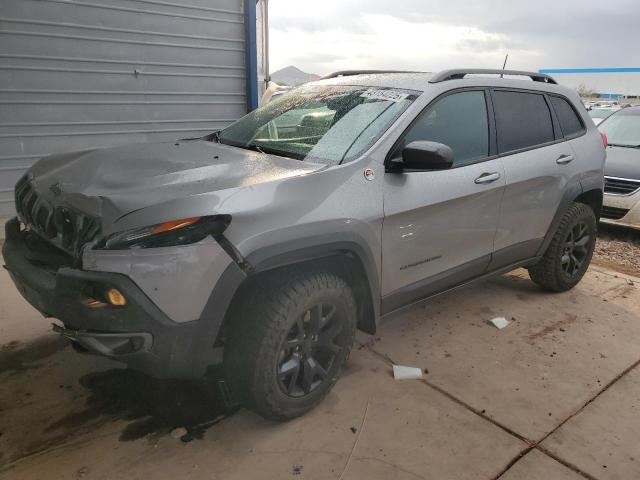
(289, 342)
(568, 256)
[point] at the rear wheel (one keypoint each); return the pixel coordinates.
(569, 253)
(289, 342)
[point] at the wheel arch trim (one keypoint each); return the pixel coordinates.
(572, 193)
(285, 254)
(315, 247)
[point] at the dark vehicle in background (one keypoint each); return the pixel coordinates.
(622, 168)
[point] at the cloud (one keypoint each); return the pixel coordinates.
(435, 34)
(384, 41)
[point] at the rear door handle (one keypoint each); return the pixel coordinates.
(564, 159)
(487, 178)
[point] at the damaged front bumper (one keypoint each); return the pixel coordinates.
(139, 333)
(108, 344)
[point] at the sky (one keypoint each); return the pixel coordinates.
(429, 35)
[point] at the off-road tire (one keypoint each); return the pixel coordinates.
(261, 326)
(548, 272)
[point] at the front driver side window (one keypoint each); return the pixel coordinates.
(458, 120)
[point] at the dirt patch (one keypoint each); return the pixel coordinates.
(15, 358)
(59, 412)
(558, 326)
(618, 248)
(154, 407)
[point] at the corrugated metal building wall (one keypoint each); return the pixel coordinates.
(86, 73)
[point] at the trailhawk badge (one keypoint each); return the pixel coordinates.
(368, 174)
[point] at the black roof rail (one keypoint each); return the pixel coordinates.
(460, 73)
(349, 73)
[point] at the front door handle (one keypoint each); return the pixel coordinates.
(487, 178)
(564, 159)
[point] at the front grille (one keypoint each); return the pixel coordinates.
(64, 227)
(31, 209)
(620, 186)
(613, 213)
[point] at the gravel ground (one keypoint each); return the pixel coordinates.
(619, 249)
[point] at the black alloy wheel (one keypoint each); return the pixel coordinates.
(309, 350)
(567, 257)
(575, 249)
(287, 346)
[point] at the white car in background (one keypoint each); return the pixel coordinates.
(608, 104)
(621, 202)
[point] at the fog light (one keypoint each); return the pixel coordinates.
(116, 297)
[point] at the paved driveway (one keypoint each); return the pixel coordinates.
(555, 395)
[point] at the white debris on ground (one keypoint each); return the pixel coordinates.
(500, 322)
(400, 372)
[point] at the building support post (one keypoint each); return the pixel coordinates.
(251, 54)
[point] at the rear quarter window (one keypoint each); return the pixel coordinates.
(570, 122)
(523, 120)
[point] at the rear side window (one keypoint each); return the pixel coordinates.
(567, 116)
(523, 120)
(458, 120)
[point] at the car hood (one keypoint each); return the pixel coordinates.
(126, 178)
(623, 162)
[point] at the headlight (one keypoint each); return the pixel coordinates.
(167, 234)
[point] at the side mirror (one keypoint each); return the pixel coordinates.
(423, 155)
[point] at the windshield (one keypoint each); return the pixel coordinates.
(328, 124)
(623, 128)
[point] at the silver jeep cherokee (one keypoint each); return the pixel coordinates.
(262, 247)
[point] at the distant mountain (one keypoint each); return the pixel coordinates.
(292, 76)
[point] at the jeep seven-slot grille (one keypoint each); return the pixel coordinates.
(613, 213)
(63, 226)
(620, 186)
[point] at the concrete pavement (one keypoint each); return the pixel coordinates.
(554, 395)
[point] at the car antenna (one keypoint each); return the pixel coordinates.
(504, 64)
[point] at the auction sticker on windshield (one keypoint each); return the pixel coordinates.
(389, 95)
